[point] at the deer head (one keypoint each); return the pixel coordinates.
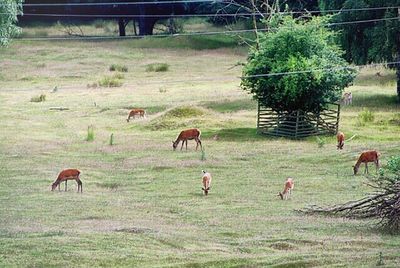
(174, 145)
(206, 190)
(54, 186)
(355, 169)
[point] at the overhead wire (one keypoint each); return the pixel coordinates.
(233, 78)
(94, 38)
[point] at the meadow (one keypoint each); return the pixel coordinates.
(142, 203)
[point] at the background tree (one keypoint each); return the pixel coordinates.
(9, 9)
(375, 41)
(296, 46)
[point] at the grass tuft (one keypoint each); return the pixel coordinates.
(40, 98)
(118, 68)
(112, 81)
(157, 67)
(90, 133)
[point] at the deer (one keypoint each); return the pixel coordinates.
(206, 177)
(365, 157)
(287, 190)
(347, 98)
(65, 175)
(340, 140)
(132, 113)
(185, 135)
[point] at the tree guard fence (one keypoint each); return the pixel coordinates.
(298, 124)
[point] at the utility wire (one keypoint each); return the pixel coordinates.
(234, 78)
(199, 1)
(94, 38)
(122, 3)
(180, 15)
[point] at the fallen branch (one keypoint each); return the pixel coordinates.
(58, 108)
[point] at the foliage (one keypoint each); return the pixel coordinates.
(366, 116)
(9, 9)
(90, 133)
(377, 41)
(40, 98)
(296, 46)
(393, 165)
(118, 68)
(111, 139)
(157, 67)
(111, 81)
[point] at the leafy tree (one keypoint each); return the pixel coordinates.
(296, 46)
(9, 9)
(375, 41)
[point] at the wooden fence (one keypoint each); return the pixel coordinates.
(298, 124)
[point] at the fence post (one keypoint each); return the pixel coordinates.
(337, 119)
(258, 118)
(297, 123)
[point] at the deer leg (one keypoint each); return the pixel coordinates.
(65, 185)
(59, 187)
(183, 142)
(186, 145)
(201, 146)
(366, 167)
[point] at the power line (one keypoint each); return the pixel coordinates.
(123, 3)
(94, 38)
(186, 15)
(200, 1)
(322, 69)
(233, 78)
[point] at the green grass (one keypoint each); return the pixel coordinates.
(142, 204)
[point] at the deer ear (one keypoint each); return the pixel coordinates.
(203, 189)
(208, 189)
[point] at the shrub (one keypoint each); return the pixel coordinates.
(366, 116)
(111, 81)
(393, 164)
(90, 133)
(111, 139)
(40, 98)
(157, 67)
(296, 46)
(118, 68)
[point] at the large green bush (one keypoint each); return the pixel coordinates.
(296, 46)
(9, 9)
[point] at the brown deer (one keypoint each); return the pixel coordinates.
(189, 134)
(132, 113)
(287, 190)
(65, 175)
(340, 140)
(365, 157)
(206, 182)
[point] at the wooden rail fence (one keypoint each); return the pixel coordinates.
(298, 124)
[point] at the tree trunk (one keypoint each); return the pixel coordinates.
(121, 26)
(146, 26)
(398, 68)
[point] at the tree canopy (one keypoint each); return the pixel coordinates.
(9, 9)
(377, 40)
(305, 48)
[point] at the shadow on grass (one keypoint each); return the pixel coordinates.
(375, 101)
(234, 134)
(227, 106)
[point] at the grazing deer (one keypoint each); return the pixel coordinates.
(347, 98)
(287, 190)
(365, 157)
(340, 140)
(132, 113)
(189, 134)
(206, 182)
(65, 175)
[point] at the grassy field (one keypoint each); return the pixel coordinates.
(142, 203)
